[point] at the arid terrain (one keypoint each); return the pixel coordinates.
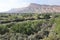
(36, 8)
(34, 22)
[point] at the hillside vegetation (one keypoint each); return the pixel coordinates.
(29, 26)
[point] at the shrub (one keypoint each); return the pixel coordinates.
(28, 27)
(3, 29)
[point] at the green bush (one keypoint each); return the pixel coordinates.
(3, 29)
(28, 27)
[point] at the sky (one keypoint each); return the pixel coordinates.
(6, 5)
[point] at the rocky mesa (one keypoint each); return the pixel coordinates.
(36, 8)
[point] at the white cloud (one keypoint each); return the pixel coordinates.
(8, 4)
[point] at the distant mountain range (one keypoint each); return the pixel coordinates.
(36, 8)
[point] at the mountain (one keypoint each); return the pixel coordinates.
(36, 8)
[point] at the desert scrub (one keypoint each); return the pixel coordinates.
(27, 27)
(3, 29)
(57, 27)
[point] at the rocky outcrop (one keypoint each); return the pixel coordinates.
(36, 8)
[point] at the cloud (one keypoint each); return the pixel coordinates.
(8, 4)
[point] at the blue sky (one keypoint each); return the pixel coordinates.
(6, 5)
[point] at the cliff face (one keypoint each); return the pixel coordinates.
(36, 8)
